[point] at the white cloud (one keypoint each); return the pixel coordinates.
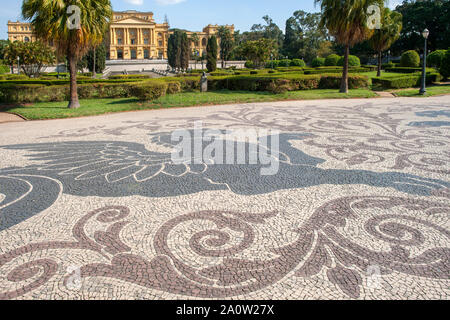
(136, 2)
(169, 2)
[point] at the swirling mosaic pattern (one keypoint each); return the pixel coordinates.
(359, 208)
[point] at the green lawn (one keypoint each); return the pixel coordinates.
(57, 110)
(431, 91)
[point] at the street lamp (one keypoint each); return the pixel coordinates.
(423, 90)
(18, 65)
(271, 59)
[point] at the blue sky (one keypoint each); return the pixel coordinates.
(195, 14)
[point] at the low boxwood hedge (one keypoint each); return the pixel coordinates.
(286, 82)
(406, 81)
(55, 82)
(149, 90)
(407, 69)
(29, 93)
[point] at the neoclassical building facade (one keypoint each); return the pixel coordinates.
(132, 35)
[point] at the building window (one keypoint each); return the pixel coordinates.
(120, 54)
(133, 41)
(160, 43)
(204, 42)
(26, 39)
(146, 41)
(119, 41)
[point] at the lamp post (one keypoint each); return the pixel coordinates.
(271, 59)
(389, 56)
(18, 65)
(423, 89)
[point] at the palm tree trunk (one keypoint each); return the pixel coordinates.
(74, 103)
(344, 81)
(379, 64)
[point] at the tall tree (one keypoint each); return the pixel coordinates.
(52, 19)
(185, 53)
(3, 45)
(33, 56)
(418, 15)
(269, 30)
(304, 35)
(347, 21)
(171, 51)
(226, 44)
(258, 51)
(100, 59)
(211, 54)
(383, 38)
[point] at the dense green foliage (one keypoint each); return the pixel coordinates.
(405, 81)
(33, 56)
(332, 60)
(298, 63)
(435, 58)
(418, 15)
(178, 50)
(445, 65)
(353, 61)
(149, 90)
(410, 58)
(100, 59)
(211, 55)
(258, 51)
(318, 62)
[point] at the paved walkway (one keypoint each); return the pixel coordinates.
(8, 117)
(358, 205)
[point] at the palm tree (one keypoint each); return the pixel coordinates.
(50, 20)
(383, 38)
(347, 20)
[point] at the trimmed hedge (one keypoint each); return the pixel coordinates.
(435, 58)
(332, 81)
(149, 90)
(28, 93)
(80, 80)
(407, 81)
(410, 58)
(403, 69)
(445, 65)
(130, 76)
(289, 82)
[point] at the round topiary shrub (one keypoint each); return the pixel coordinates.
(318, 62)
(298, 63)
(410, 59)
(284, 63)
(445, 65)
(332, 60)
(353, 61)
(435, 58)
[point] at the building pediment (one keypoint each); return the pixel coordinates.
(133, 20)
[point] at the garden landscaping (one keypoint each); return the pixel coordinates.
(40, 98)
